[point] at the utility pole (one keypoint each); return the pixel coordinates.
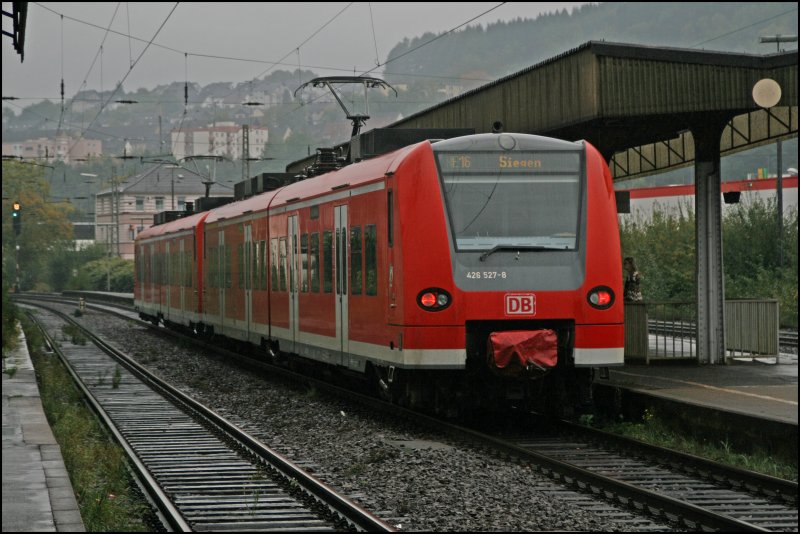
(778, 39)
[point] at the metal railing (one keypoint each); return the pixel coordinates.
(667, 330)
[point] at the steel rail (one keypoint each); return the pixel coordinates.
(773, 487)
(167, 511)
(347, 510)
(578, 477)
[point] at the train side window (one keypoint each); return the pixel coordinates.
(275, 263)
(248, 264)
(327, 257)
(139, 270)
(370, 259)
(220, 266)
(249, 272)
(283, 264)
(254, 280)
(210, 269)
(356, 272)
(314, 263)
(304, 263)
(262, 265)
(240, 266)
(390, 216)
(174, 266)
(209, 275)
(228, 266)
(187, 269)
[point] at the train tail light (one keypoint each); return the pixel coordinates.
(601, 297)
(433, 299)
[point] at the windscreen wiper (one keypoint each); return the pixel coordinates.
(517, 248)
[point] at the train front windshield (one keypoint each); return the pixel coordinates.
(529, 200)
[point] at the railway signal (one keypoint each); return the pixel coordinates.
(16, 217)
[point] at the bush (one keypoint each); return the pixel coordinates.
(664, 250)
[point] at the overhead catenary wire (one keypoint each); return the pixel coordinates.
(114, 92)
(131, 37)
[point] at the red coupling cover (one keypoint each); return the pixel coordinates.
(528, 348)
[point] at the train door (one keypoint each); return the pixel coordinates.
(248, 278)
(294, 312)
(222, 280)
(340, 268)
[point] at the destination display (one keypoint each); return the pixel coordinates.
(514, 162)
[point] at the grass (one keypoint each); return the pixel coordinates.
(108, 498)
(655, 431)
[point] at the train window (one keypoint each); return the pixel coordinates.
(291, 268)
(275, 264)
(356, 272)
(185, 268)
(249, 261)
(206, 270)
(304, 263)
(496, 201)
(228, 267)
(390, 216)
(261, 265)
(240, 266)
(314, 212)
(255, 266)
(370, 260)
(314, 263)
(327, 257)
(282, 272)
(211, 267)
(175, 267)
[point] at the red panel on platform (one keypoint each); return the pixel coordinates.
(529, 347)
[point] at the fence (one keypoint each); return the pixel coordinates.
(667, 330)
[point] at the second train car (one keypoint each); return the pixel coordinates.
(458, 273)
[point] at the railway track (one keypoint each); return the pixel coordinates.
(673, 488)
(666, 485)
(201, 472)
(697, 492)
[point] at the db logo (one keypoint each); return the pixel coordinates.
(521, 304)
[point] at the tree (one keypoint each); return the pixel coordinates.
(45, 228)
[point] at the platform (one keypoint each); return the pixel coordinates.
(749, 387)
(37, 493)
(748, 404)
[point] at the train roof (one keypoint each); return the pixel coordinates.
(253, 204)
(363, 172)
(172, 227)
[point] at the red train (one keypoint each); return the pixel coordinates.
(450, 273)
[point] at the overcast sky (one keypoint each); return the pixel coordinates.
(332, 38)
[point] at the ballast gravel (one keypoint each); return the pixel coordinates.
(411, 478)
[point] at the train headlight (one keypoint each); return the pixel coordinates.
(601, 297)
(433, 299)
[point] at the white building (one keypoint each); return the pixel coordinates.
(222, 139)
